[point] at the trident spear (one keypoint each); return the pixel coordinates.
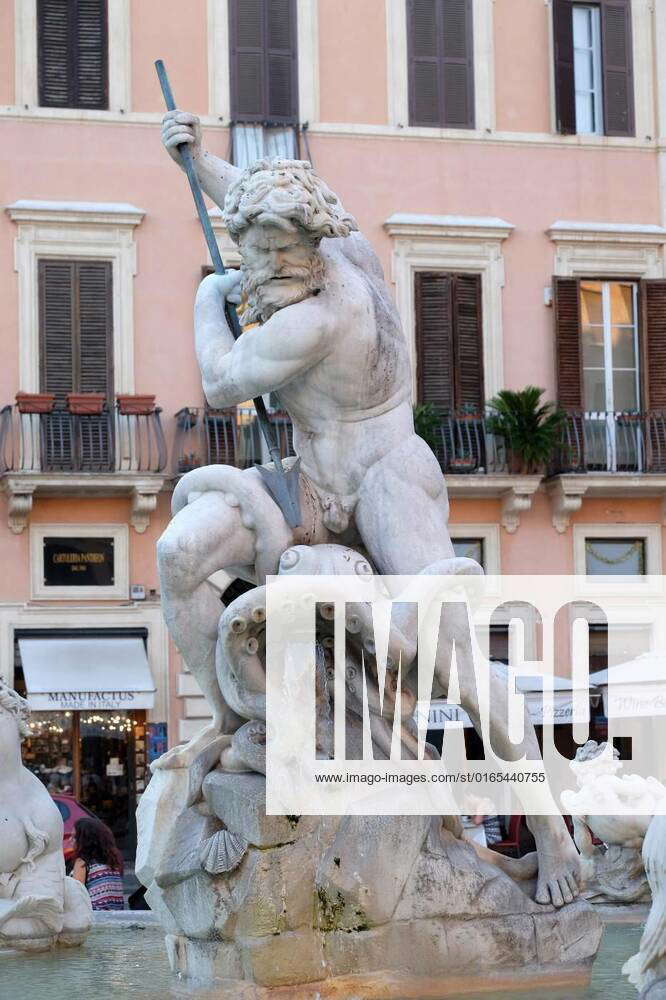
(281, 483)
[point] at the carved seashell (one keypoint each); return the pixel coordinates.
(223, 852)
(289, 559)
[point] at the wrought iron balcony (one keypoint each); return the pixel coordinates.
(61, 441)
(606, 442)
(464, 445)
(225, 437)
(62, 453)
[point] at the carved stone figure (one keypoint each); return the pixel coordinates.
(329, 342)
(616, 810)
(647, 969)
(39, 905)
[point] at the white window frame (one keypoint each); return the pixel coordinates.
(119, 61)
(307, 42)
(608, 366)
(469, 245)
(141, 615)
(651, 533)
(117, 591)
(597, 73)
(489, 534)
(484, 68)
(70, 231)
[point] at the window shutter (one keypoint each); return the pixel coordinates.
(72, 49)
(434, 340)
(263, 61)
(91, 53)
(565, 88)
(95, 353)
(425, 107)
(653, 363)
(247, 59)
(654, 344)
(449, 341)
(57, 310)
(569, 369)
(54, 54)
(76, 351)
(616, 42)
(468, 343)
(458, 63)
(282, 72)
(568, 346)
(441, 63)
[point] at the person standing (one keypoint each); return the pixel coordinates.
(98, 864)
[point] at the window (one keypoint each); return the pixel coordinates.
(594, 87)
(264, 79)
(449, 348)
(72, 53)
(76, 356)
(610, 345)
(611, 373)
(587, 68)
(441, 63)
(470, 548)
(615, 556)
(75, 327)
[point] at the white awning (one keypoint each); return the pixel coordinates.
(87, 673)
(441, 712)
(635, 689)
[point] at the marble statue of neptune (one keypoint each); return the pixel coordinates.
(327, 338)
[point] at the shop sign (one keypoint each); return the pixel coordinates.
(78, 562)
(77, 701)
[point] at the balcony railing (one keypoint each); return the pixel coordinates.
(61, 441)
(465, 445)
(225, 437)
(613, 442)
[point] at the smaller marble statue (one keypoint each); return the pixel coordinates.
(647, 969)
(617, 811)
(39, 905)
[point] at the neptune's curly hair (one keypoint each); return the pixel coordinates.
(287, 194)
(16, 706)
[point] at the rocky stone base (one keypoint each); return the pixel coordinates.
(397, 901)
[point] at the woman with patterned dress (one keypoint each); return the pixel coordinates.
(98, 864)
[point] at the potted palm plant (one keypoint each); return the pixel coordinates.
(531, 429)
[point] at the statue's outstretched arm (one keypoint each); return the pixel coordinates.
(215, 175)
(265, 357)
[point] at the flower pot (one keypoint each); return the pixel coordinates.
(463, 464)
(85, 403)
(35, 402)
(136, 405)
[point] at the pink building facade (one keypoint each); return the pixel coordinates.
(505, 158)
